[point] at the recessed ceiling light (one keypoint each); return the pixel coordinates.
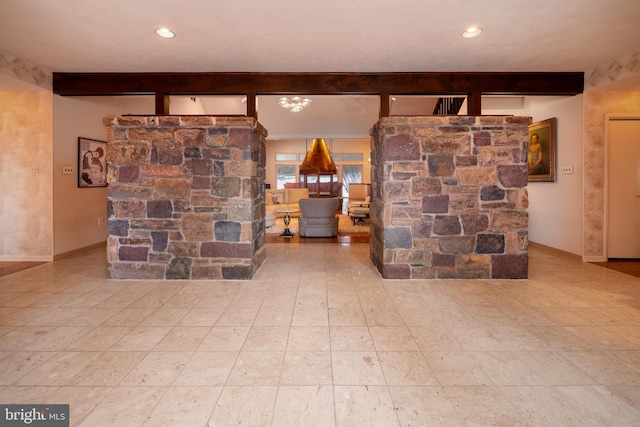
(165, 32)
(472, 32)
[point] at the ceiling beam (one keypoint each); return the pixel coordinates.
(467, 84)
(90, 84)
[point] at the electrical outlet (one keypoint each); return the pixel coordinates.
(35, 169)
(67, 170)
(567, 170)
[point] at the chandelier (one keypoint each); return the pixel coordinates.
(294, 104)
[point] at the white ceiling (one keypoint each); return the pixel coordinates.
(331, 35)
(318, 36)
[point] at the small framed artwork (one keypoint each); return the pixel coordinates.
(541, 154)
(92, 163)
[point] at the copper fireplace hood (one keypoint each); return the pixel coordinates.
(318, 160)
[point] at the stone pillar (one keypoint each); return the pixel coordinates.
(185, 197)
(449, 197)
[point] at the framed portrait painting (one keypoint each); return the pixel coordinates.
(541, 152)
(92, 163)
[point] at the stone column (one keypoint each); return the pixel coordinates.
(185, 197)
(449, 197)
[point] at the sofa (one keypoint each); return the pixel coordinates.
(284, 199)
(318, 217)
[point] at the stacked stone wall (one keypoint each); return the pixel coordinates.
(185, 197)
(449, 197)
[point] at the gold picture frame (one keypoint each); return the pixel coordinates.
(541, 151)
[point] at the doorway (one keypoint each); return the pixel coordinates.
(623, 176)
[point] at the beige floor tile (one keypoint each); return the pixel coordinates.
(478, 338)
(157, 369)
(94, 316)
(58, 369)
(125, 406)
(507, 368)
(274, 316)
(184, 406)
(81, 400)
(165, 317)
(307, 368)
(184, 338)
(27, 395)
(265, 338)
(572, 405)
(364, 406)
(16, 364)
(308, 338)
(129, 317)
(604, 367)
(559, 338)
(310, 316)
(58, 338)
(238, 316)
(100, 338)
(600, 338)
(347, 316)
(351, 339)
(207, 368)
(393, 339)
(304, 406)
(250, 406)
(484, 406)
(141, 338)
(424, 406)
(554, 368)
(630, 394)
(356, 368)
(457, 369)
(108, 369)
(257, 368)
(201, 316)
(406, 368)
(222, 338)
(434, 338)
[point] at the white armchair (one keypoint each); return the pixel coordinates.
(318, 217)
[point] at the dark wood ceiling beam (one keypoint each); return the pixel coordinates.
(91, 84)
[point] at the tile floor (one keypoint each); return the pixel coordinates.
(318, 339)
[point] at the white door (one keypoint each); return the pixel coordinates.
(624, 188)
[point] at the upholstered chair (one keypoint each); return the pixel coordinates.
(318, 217)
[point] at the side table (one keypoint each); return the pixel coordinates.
(286, 218)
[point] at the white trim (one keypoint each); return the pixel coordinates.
(25, 258)
(605, 232)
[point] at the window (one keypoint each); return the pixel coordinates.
(350, 174)
(286, 157)
(285, 174)
(353, 157)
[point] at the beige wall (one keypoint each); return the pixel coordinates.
(555, 208)
(76, 210)
(596, 106)
(26, 177)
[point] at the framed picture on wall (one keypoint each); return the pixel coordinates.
(541, 153)
(92, 163)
